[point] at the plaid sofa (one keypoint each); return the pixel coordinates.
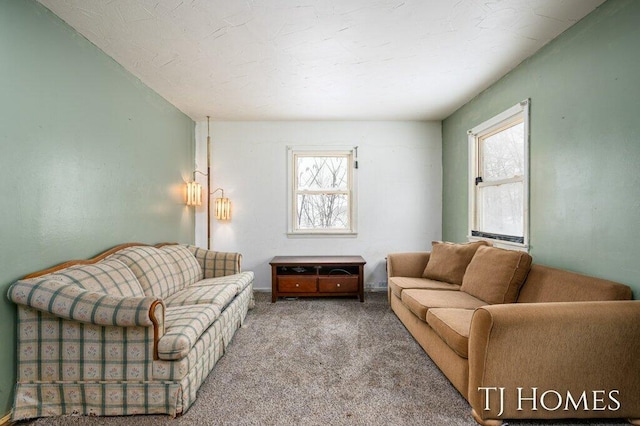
(135, 330)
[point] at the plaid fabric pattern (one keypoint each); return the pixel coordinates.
(210, 340)
(183, 327)
(94, 399)
(239, 281)
(216, 263)
(54, 349)
(72, 302)
(233, 316)
(197, 375)
(153, 268)
(82, 351)
(229, 321)
(187, 268)
(109, 276)
(219, 295)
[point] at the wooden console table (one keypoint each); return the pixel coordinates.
(296, 276)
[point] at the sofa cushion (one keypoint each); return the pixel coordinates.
(239, 281)
(419, 301)
(109, 276)
(219, 295)
(216, 264)
(495, 275)
(183, 327)
(545, 284)
(452, 325)
(208, 346)
(397, 284)
(188, 270)
(448, 261)
(153, 268)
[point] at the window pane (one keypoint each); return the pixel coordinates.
(318, 173)
(500, 209)
(322, 211)
(503, 154)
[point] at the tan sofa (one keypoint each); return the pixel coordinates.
(521, 341)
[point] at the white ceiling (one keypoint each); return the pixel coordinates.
(319, 59)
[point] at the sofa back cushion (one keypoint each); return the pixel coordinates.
(495, 275)
(216, 263)
(448, 261)
(188, 270)
(153, 269)
(109, 276)
(545, 284)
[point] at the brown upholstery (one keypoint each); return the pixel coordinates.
(448, 261)
(420, 301)
(495, 275)
(452, 325)
(574, 345)
(545, 284)
(453, 366)
(407, 264)
(397, 284)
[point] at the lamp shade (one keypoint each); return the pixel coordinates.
(194, 194)
(223, 209)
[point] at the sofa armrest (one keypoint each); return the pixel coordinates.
(217, 263)
(407, 264)
(72, 302)
(566, 349)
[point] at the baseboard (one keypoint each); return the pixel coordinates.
(6, 419)
(366, 290)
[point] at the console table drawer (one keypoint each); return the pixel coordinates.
(317, 276)
(338, 284)
(297, 283)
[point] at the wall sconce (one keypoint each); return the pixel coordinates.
(194, 194)
(223, 206)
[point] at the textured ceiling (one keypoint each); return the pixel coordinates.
(319, 59)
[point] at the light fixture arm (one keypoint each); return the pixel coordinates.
(222, 204)
(208, 187)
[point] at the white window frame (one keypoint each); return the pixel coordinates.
(352, 155)
(518, 112)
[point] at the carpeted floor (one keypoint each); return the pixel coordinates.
(319, 361)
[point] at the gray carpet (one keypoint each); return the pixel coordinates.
(319, 361)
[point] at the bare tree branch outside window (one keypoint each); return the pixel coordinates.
(322, 192)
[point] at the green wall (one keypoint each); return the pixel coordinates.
(585, 146)
(90, 157)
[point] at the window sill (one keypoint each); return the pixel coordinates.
(507, 245)
(311, 234)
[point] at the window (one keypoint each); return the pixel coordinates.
(322, 191)
(498, 188)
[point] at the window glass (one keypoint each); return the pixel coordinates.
(498, 188)
(322, 211)
(322, 173)
(503, 153)
(501, 209)
(322, 191)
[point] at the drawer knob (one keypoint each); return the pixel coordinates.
(297, 285)
(338, 285)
